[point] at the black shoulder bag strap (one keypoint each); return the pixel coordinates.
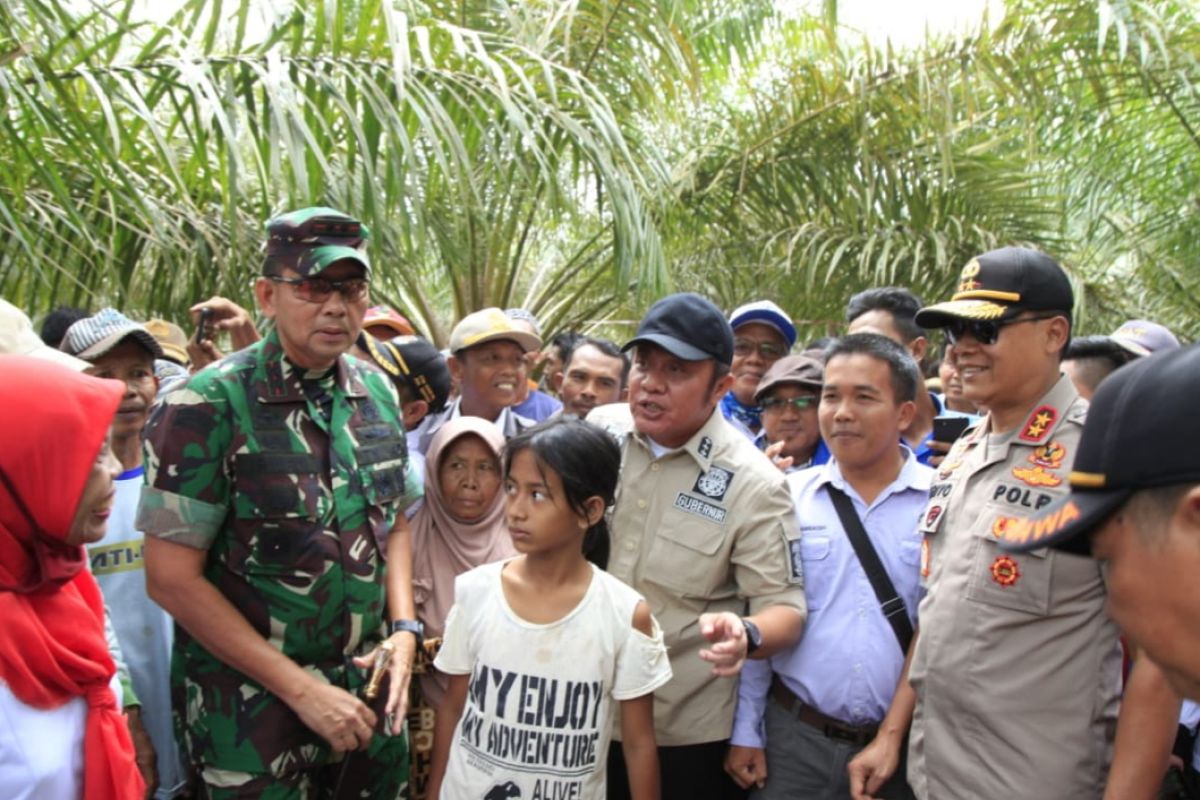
(893, 607)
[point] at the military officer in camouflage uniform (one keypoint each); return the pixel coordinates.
(273, 484)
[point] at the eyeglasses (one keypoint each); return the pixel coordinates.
(985, 331)
(318, 290)
(768, 350)
(782, 403)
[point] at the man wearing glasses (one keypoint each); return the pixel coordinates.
(1016, 669)
(788, 396)
(274, 480)
(762, 334)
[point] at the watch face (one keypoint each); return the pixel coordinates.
(753, 636)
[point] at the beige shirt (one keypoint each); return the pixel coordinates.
(1017, 669)
(704, 528)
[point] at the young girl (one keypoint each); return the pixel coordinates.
(540, 645)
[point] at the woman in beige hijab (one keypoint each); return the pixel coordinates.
(460, 526)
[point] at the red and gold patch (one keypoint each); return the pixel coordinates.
(931, 517)
(1005, 571)
(1001, 526)
(1038, 426)
(1049, 456)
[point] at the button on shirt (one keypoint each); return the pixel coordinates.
(848, 662)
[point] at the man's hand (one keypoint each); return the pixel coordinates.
(336, 716)
(728, 635)
(747, 766)
(143, 749)
(784, 463)
(226, 316)
(874, 766)
(399, 677)
(941, 448)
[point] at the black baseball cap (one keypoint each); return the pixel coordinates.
(1000, 284)
(688, 326)
(415, 362)
(1142, 432)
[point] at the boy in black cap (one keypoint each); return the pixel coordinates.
(701, 528)
(1134, 504)
(1016, 670)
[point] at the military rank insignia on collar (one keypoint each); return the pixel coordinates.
(705, 447)
(1039, 424)
(714, 483)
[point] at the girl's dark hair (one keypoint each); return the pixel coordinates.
(587, 461)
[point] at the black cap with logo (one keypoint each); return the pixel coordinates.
(1000, 284)
(687, 326)
(1142, 432)
(416, 363)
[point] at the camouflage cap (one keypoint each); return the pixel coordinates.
(312, 239)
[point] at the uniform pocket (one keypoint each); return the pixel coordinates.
(1017, 581)
(814, 556)
(277, 527)
(684, 556)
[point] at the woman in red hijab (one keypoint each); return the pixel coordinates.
(62, 733)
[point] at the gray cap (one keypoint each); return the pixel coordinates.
(92, 337)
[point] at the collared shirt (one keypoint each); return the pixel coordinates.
(293, 511)
(538, 406)
(848, 662)
(704, 528)
(1016, 668)
(509, 422)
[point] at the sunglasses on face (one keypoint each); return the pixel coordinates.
(782, 403)
(768, 350)
(984, 331)
(318, 290)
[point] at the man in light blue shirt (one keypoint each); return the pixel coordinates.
(805, 712)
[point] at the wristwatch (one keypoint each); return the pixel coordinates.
(753, 636)
(412, 626)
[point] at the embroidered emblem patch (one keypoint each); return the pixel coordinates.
(932, 515)
(1001, 526)
(1005, 571)
(714, 483)
(1049, 455)
(705, 447)
(694, 505)
(967, 280)
(1038, 426)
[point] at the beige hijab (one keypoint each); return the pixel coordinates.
(444, 546)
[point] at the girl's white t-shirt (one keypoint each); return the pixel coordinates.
(539, 712)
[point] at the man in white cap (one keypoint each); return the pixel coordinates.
(762, 334)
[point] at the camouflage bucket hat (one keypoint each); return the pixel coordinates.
(311, 239)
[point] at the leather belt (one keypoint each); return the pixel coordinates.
(828, 726)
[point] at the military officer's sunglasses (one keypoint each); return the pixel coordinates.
(318, 290)
(985, 331)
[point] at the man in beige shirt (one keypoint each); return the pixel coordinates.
(1016, 670)
(702, 527)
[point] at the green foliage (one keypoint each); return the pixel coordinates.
(581, 157)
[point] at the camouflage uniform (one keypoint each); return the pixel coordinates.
(293, 495)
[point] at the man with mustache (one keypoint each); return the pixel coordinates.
(274, 482)
(701, 527)
(116, 347)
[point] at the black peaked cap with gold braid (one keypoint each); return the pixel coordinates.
(1001, 284)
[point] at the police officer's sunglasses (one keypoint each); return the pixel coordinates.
(985, 331)
(318, 290)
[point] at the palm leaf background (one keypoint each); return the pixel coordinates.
(581, 157)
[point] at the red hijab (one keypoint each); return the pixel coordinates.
(52, 645)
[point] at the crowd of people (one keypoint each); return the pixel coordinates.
(326, 559)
